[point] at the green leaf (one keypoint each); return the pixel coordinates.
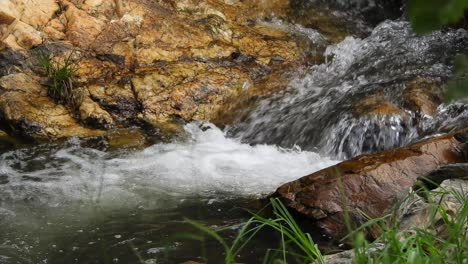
(430, 15)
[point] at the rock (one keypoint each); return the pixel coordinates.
(370, 184)
(451, 171)
(37, 13)
(345, 257)
(94, 116)
(28, 112)
(13, 61)
(117, 100)
(126, 138)
(376, 105)
(8, 12)
(7, 142)
(157, 64)
(55, 30)
(187, 91)
(82, 29)
(423, 96)
(23, 36)
(420, 211)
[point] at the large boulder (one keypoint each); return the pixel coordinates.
(368, 185)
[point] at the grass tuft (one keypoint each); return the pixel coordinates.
(61, 83)
(442, 240)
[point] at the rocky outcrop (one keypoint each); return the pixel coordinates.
(368, 185)
(149, 63)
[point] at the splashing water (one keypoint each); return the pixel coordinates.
(86, 195)
(318, 112)
(207, 163)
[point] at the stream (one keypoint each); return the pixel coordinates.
(74, 202)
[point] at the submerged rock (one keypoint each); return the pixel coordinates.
(367, 185)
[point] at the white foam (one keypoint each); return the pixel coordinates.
(205, 164)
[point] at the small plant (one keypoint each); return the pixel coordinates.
(61, 83)
(444, 240)
(283, 223)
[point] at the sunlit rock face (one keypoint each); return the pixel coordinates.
(156, 63)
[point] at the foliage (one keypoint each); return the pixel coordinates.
(283, 223)
(445, 241)
(429, 15)
(61, 83)
(458, 85)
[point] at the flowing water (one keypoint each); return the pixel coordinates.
(74, 202)
(316, 111)
(68, 203)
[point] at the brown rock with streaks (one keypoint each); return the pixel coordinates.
(369, 184)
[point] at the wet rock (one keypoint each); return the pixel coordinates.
(126, 138)
(376, 105)
(423, 96)
(4, 179)
(6, 141)
(13, 61)
(451, 171)
(369, 184)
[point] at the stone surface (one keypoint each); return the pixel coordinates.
(126, 138)
(23, 36)
(423, 96)
(25, 110)
(82, 28)
(376, 105)
(187, 91)
(37, 13)
(345, 257)
(94, 116)
(420, 211)
(368, 184)
(156, 63)
(8, 12)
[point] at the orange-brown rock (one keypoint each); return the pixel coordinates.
(367, 185)
(376, 105)
(153, 62)
(26, 110)
(423, 96)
